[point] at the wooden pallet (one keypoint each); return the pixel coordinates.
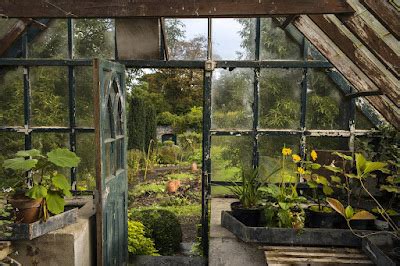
(298, 255)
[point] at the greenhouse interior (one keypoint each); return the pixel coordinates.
(247, 132)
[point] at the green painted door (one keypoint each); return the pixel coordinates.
(111, 166)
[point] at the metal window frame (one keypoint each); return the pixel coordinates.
(207, 66)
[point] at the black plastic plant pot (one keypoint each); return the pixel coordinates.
(363, 224)
(248, 216)
(316, 219)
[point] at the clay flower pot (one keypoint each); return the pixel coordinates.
(173, 185)
(27, 210)
(194, 167)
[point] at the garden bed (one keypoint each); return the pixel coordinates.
(39, 228)
(289, 236)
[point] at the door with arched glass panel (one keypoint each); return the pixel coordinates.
(111, 167)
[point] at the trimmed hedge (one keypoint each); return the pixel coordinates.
(162, 226)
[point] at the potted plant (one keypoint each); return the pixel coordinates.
(248, 208)
(284, 207)
(44, 188)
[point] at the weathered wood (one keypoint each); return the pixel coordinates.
(13, 34)
(39, 228)
(347, 68)
(169, 8)
(315, 255)
(5, 249)
(376, 45)
(386, 13)
(360, 55)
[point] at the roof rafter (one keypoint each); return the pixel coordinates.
(169, 8)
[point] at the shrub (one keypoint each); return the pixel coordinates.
(162, 226)
(134, 160)
(169, 153)
(138, 243)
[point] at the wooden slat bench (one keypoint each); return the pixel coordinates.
(313, 256)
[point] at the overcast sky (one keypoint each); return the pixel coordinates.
(226, 39)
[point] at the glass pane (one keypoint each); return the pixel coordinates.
(232, 98)
(187, 38)
(270, 150)
(85, 149)
(276, 43)
(11, 97)
(326, 106)
(11, 142)
(362, 122)
(233, 39)
(84, 96)
(6, 24)
(229, 155)
(49, 96)
(328, 143)
(46, 142)
(52, 42)
(94, 38)
(280, 98)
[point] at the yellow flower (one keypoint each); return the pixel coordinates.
(301, 170)
(296, 158)
(314, 155)
(286, 151)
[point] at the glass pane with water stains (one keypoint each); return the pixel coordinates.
(229, 156)
(362, 122)
(270, 164)
(51, 42)
(11, 142)
(85, 149)
(232, 99)
(84, 96)
(94, 38)
(12, 97)
(279, 100)
(277, 43)
(233, 39)
(49, 99)
(186, 38)
(6, 24)
(327, 108)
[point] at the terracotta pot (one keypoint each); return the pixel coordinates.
(27, 210)
(173, 185)
(194, 167)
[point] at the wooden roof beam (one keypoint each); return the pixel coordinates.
(13, 34)
(360, 55)
(370, 38)
(346, 67)
(168, 8)
(386, 13)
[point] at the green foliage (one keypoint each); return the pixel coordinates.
(162, 226)
(169, 153)
(6, 218)
(47, 182)
(248, 192)
(180, 176)
(147, 189)
(141, 124)
(138, 243)
(134, 160)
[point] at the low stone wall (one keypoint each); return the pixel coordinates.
(73, 245)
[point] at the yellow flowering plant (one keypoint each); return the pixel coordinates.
(283, 208)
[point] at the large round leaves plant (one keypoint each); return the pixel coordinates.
(48, 183)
